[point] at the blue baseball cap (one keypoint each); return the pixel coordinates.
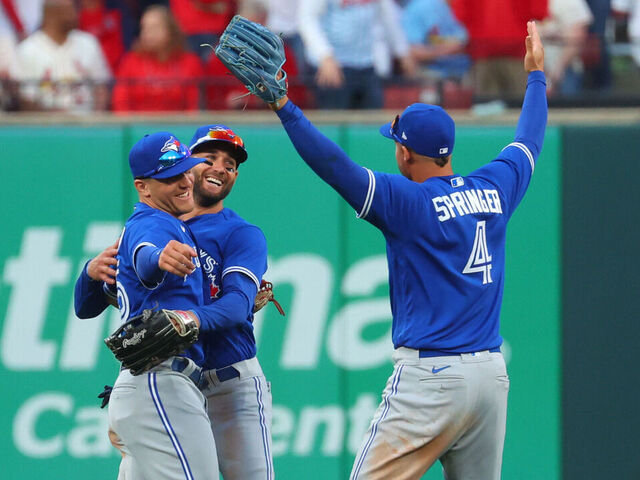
(426, 129)
(225, 138)
(160, 155)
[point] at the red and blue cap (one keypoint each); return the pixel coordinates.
(160, 155)
(426, 129)
(224, 137)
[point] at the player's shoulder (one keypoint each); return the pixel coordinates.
(146, 218)
(237, 224)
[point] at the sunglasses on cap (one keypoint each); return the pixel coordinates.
(172, 155)
(394, 129)
(225, 134)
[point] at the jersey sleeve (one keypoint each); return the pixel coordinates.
(88, 296)
(512, 169)
(391, 201)
(245, 252)
(510, 172)
(153, 231)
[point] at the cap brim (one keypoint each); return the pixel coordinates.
(178, 168)
(385, 130)
(239, 153)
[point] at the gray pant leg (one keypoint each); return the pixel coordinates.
(161, 419)
(477, 454)
(240, 410)
(447, 408)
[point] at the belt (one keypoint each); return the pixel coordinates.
(180, 364)
(227, 373)
(440, 353)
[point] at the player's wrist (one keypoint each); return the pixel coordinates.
(278, 104)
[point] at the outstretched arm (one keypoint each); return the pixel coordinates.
(533, 118)
(324, 157)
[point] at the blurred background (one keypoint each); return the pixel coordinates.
(81, 81)
(135, 56)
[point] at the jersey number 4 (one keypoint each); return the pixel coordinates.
(480, 259)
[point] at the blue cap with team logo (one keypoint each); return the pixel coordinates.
(224, 138)
(426, 129)
(160, 155)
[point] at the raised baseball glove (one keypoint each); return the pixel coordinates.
(255, 56)
(150, 338)
(264, 296)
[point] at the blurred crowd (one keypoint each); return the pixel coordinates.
(145, 56)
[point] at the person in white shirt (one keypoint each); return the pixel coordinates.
(339, 40)
(60, 68)
(7, 59)
(565, 32)
(631, 8)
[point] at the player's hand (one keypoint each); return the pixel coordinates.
(534, 58)
(176, 258)
(101, 268)
(329, 73)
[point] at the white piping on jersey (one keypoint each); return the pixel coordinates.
(374, 427)
(153, 388)
(526, 151)
(369, 198)
(133, 262)
(246, 271)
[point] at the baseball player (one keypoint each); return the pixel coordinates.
(233, 255)
(158, 419)
(447, 396)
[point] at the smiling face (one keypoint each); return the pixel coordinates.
(214, 178)
(173, 195)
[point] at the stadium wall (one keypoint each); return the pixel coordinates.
(66, 195)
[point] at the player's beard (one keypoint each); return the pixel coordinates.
(204, 198)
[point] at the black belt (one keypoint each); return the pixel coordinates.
(440, 353)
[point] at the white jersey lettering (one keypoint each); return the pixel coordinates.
(467, 202)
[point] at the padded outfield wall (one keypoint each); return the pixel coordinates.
(66, 194)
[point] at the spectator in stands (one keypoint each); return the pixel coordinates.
(203, 21)
(280, 16)
(20, 18)
(632, 9)
(339, 40)
(7, 60)
(159, 74)
(437, 38)
(564, 33)
(106, 25)
(61, 68)
(495, 42)
(598, 75)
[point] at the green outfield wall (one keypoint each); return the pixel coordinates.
(66, 194)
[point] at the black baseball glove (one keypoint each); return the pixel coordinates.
(150, 338)
(255, 56)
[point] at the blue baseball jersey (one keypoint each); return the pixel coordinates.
(227, 244)
(445, 236)
(446, 250)
(148, 226)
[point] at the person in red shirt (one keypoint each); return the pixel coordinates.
(203, 21)
(495, 42)
(106, 25)
(158, 74)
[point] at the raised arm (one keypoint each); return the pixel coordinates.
(324, 157)
(533, 118)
